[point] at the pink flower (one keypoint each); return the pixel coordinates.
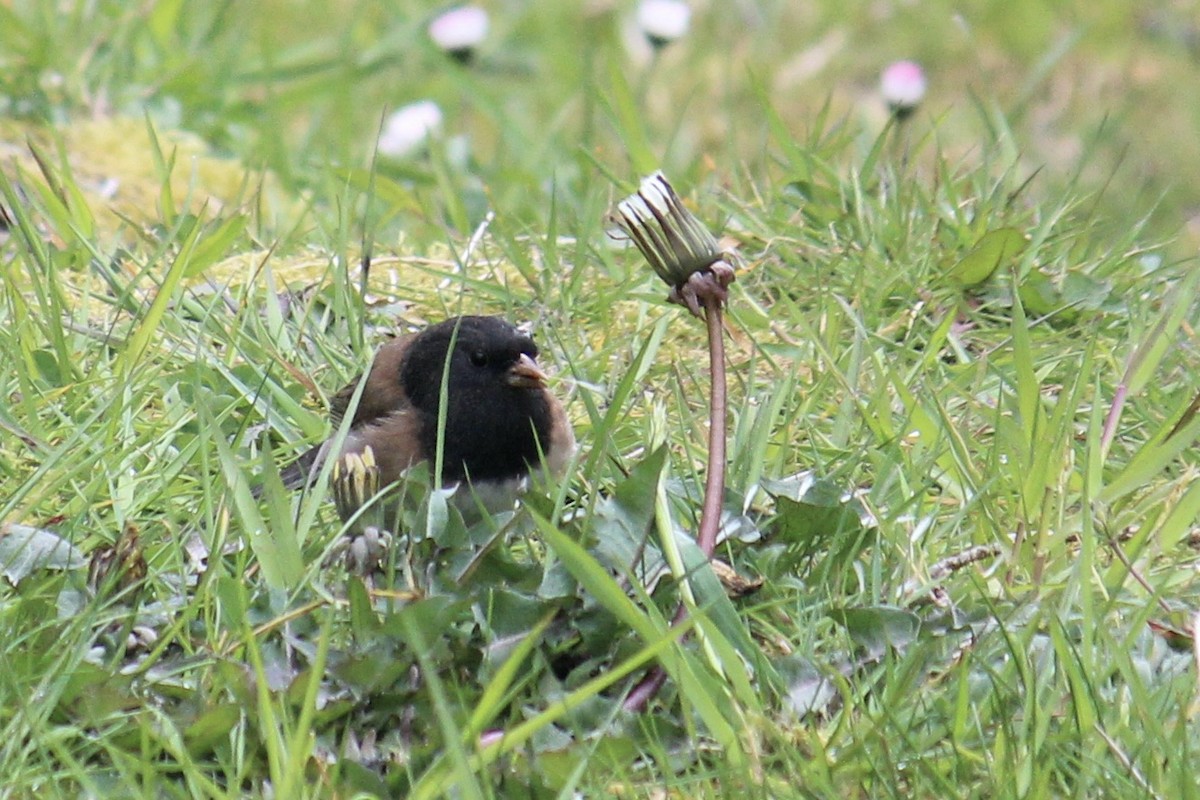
(903, 86)
(460, 30)
(408, 128)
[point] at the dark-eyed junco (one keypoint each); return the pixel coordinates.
(500, 420)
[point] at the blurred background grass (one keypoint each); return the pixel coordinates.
(1097, 94)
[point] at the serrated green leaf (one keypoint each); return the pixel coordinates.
(994, 249)
(211, 728)
(24, 549)
(876, 628)
(363, 619)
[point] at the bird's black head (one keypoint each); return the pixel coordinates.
(496, 412)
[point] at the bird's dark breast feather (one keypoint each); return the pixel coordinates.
(490, 437)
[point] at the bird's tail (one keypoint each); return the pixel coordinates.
(299, 474)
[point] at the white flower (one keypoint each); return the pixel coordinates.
(903, 85)
(408, 128)
(460, 30)
(663, 21)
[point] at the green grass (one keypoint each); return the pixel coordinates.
(961, 360)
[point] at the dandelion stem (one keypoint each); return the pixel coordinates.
(714, 486)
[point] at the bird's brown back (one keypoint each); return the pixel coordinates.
(382, 395)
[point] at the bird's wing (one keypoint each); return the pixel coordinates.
(382, 395)
(381, 398)
(394, 440)
(300, 472)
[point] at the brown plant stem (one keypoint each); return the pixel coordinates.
(714, 485)
(645, 689)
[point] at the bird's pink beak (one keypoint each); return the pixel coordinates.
(525, 374)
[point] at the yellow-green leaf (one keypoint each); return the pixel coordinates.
(992, 250)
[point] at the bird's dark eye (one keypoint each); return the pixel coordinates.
(478, 358)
